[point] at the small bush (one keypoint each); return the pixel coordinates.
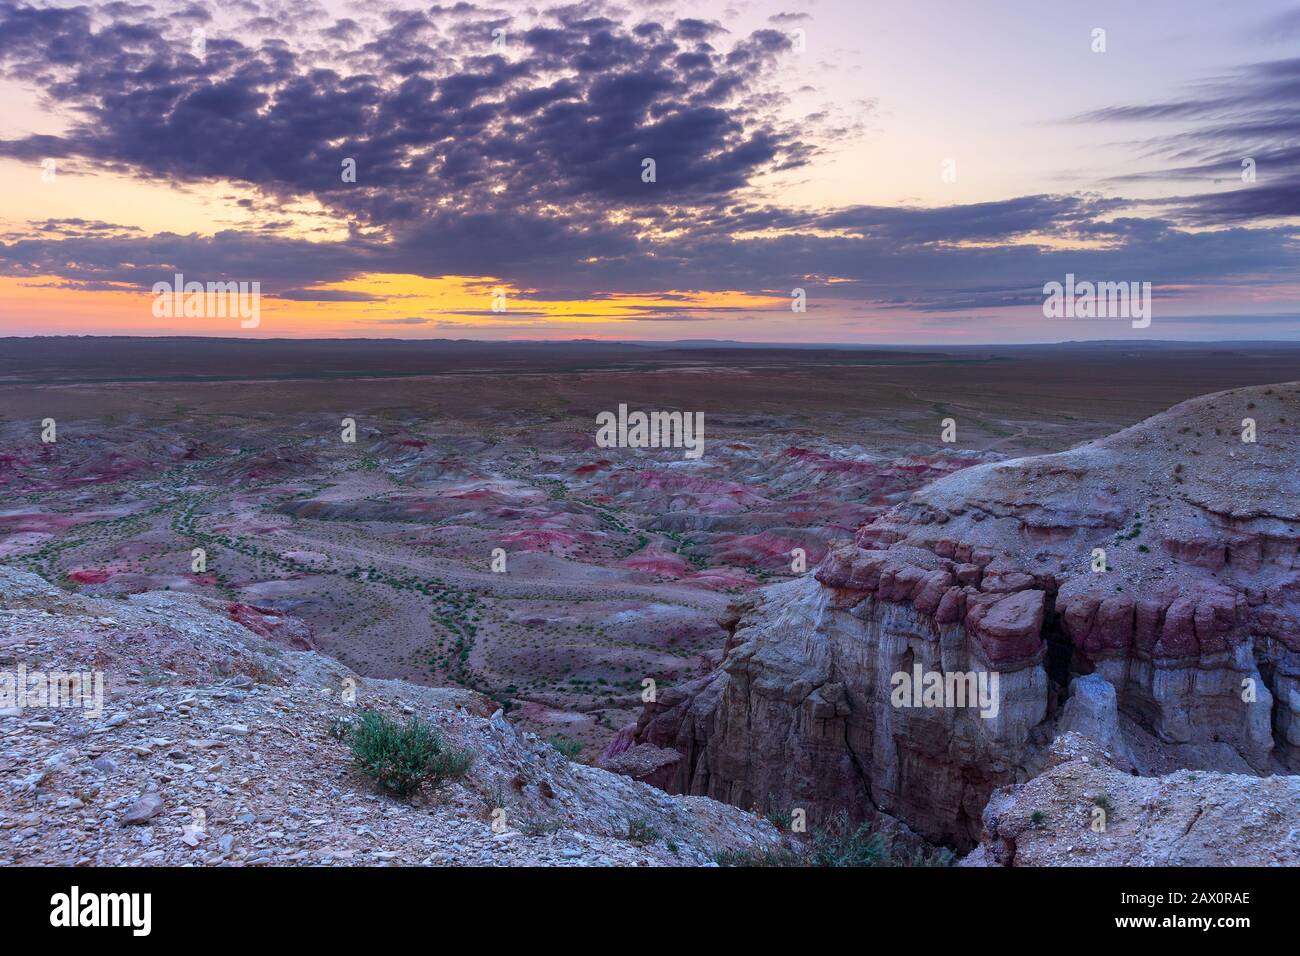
(838, 843)
(781, 856)
(402, 759)
(641, 831)
(783, 820)
(932, 856)
(539, 827)
(570, 748)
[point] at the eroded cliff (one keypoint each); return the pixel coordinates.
(1162, 558)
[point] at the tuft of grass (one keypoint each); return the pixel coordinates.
(570, 748)
(402, 759)
(838, 843)
(781, 856)
(783, 820)
(642, 832)
(539, 827)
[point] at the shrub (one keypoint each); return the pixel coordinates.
(641, 831)
(570, 748)
(838, 843)
(783, 820)
(781, 856)
(539, 827)
(402, 759)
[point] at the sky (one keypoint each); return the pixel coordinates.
(832, 171)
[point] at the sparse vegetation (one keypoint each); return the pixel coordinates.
(839, 843)
(1103, 800)
(782, 819)
(570, 748)
(642, 832)
(402, 759)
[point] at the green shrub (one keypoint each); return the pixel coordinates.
(783, 820)
(841, 844)
(641, 831)
(570, 748)
(401, 759)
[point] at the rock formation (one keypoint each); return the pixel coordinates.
(1084, 811)
(1162, 559)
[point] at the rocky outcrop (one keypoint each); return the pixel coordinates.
(272, 625)
(1084, 811)
(800, 715)
(1162, 560)
(1093, 712)
(212, 745)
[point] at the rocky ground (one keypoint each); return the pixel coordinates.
(1180, 638)
(1084, 811)
(214, 748)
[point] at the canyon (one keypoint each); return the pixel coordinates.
(1160, 563)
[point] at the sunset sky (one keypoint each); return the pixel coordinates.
(920, 169)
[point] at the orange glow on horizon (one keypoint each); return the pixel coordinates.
(389, 305)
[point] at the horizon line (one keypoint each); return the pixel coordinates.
(661, 343)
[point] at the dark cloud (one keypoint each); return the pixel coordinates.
(80, 227)
(426, 106)
(280, 264)
(524, 163)
(983, 222)
(1249, 119)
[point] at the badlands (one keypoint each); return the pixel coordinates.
(203, 530)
